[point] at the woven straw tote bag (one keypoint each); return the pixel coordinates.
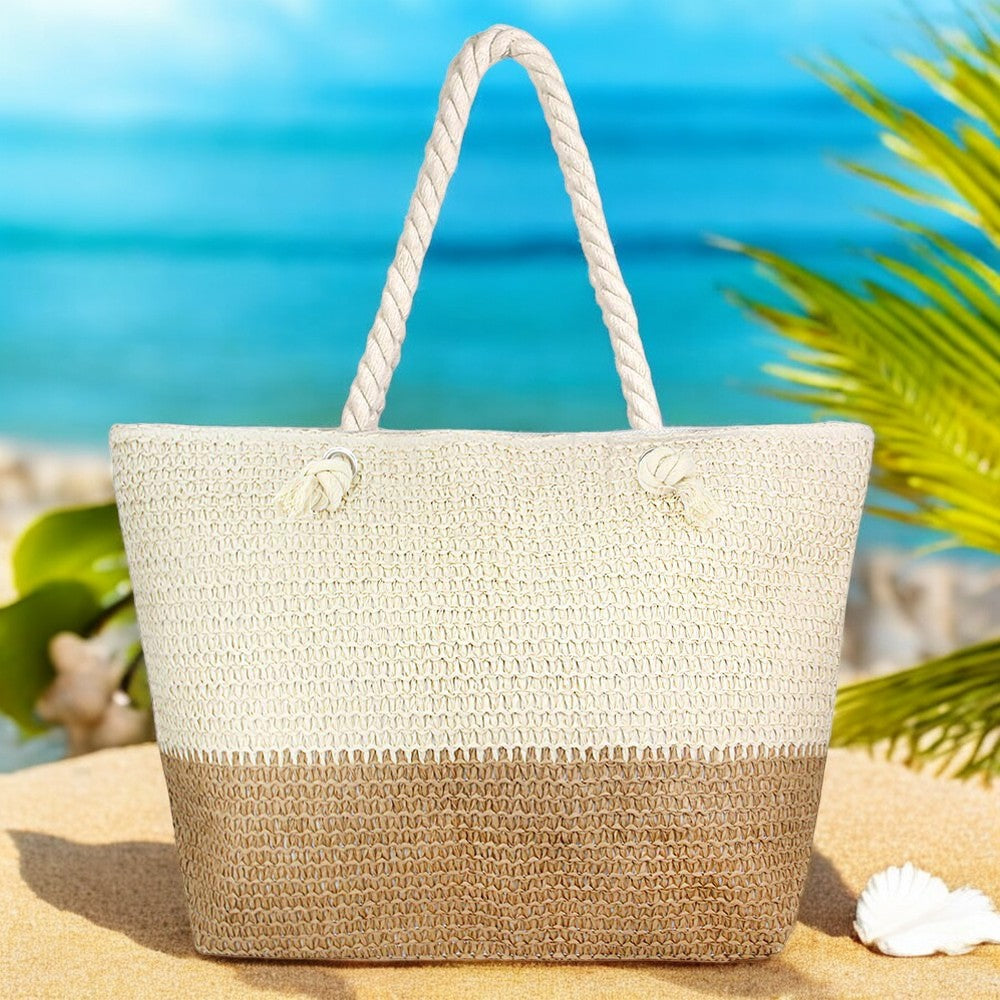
(481, 695)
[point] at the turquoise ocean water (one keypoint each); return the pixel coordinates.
(227, 271)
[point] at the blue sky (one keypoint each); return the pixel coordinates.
(248, 58)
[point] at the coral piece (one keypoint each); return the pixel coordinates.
(908, 912)
(86, 698)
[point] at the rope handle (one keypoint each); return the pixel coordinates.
(366, 399)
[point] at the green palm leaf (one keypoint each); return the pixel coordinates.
(915, 352)
(964, 165)
(945, 713)
(923, 371)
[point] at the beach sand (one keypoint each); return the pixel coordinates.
(95, 907)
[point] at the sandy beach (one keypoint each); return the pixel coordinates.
(100, 891)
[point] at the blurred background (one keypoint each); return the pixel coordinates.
(199, 199)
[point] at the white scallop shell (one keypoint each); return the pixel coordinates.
(906, 912)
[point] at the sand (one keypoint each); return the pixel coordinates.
(94, 906)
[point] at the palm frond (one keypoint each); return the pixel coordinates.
(923, 369)
(915, 352)
(944, 713)
(965, 161)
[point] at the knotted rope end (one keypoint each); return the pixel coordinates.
(665, 472)
(700, 507)
(320, 487)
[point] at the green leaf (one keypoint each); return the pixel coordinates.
(944, 713)
(138, 685)
(920, 364)
(26, 626)
(915, 353)
(964, 161)
(78, 543)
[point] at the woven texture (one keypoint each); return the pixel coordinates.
(601, 857)
(482, 592)
(485, 590)
(482, 695)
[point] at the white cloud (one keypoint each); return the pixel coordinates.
(113, 56)
(116, 57)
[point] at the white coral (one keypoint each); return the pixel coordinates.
(908, 912)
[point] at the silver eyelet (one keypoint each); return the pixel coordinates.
(345, 453)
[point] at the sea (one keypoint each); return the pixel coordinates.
(227, 271)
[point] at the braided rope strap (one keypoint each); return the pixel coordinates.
(366, 398)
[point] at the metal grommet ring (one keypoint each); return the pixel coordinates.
(344, 453)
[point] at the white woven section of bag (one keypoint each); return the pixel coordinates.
(490, 590)
(456, 590)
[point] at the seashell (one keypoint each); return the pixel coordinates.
(908, 912)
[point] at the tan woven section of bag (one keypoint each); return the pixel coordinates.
(457, 695)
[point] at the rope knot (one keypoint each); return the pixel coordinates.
(320, 486)
(665, 472)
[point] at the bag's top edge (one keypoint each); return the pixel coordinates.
(818, 430)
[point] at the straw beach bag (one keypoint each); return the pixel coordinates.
(477, 695)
